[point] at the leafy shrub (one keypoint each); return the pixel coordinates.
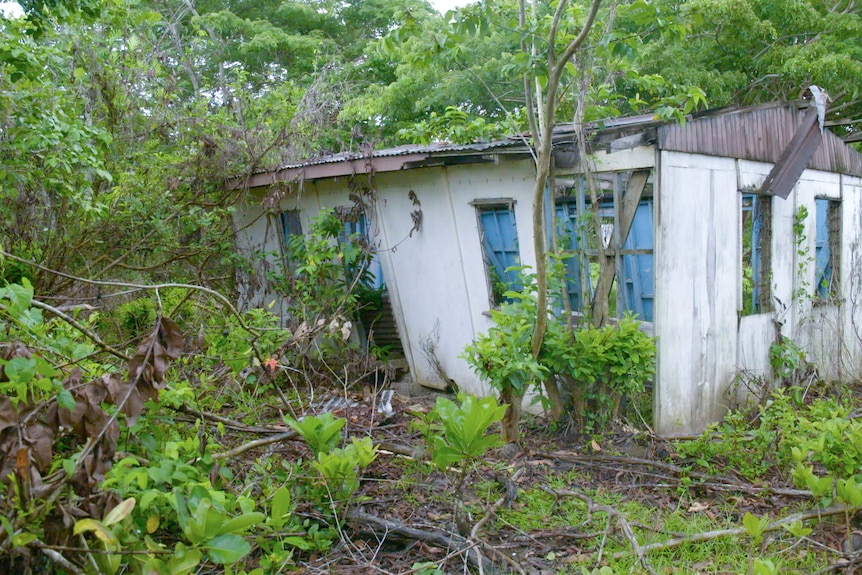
(604, 366)
(782, 427)
(338, 466)
(598, 367)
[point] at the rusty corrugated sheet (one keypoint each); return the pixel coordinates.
(759, 134)
(405, 150)
(798, 153)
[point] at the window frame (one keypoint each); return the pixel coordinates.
(829, 292)
(485, 205)
(761, 256)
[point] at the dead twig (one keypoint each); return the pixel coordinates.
(592, 506)
(438, 538)
(57, 558)
(256, 443)
(817, 513)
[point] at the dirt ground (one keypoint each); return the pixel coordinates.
(403, 515)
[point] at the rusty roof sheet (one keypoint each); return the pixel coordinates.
(434, 149)
(760, 134)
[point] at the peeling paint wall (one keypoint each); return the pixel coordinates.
(703, 339)
(696, 296)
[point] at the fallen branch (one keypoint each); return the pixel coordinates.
(233, 424)
(440, 539)
(77, 325)
(817, 513)
(216, 295)
(714, 481)
(592, 506)
(256, 443)
(58, 558)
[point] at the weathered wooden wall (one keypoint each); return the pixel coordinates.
(703, 339)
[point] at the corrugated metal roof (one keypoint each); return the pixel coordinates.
(435, 149)
(759, 134)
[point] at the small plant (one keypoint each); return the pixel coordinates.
(464, 439)
(503, 356)
(599, 367)
(803, 253)
(337, 466)
(756, 527)
(322, 434)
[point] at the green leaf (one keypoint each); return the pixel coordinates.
(226, 548)
(764, 567)
(183, 560)
(20, 370)
(298, 542)
(280, 506)
(797, 529)
(849, 491)
(66, 400)
(755, 526)
(23, 539)
(242, 522)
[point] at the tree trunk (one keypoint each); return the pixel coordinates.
(509, 424)
(554, 397)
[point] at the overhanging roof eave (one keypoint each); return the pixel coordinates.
(352, 167)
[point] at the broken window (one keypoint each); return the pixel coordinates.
(631, 256)
(827, 251)
(356, 228)
(291, 223)
(756, 217)
(499, 246)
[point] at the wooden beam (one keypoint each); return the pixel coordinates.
(626, 211)
(634, 194)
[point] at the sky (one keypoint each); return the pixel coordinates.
(443, 5)
(10, 8)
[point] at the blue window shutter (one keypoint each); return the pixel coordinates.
(359, 227)
(822, 255)
(500, 238)
(638, 269)
(568, 239)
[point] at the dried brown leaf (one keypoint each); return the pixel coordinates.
(40, 437)
(172, 337)
(8, 414)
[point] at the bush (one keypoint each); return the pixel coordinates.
(598, 367)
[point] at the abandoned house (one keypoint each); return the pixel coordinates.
(725, 232)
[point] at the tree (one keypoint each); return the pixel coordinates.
(748, 52)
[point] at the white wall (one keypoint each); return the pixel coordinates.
(696, 261)
(436, 276)
(440, 282)
(703, 340)
(256, 232)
